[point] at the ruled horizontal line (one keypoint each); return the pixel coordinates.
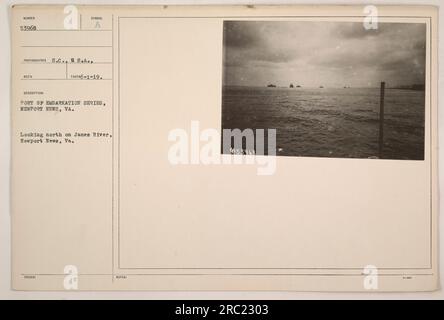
(256, 268)
(63, 63)
(66, 46)
(236, 274)
(66, 79)
(71, 30)
(258, 16)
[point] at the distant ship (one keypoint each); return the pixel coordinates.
(298, 86)
(291, 85)
(321, 87)
(271, 86)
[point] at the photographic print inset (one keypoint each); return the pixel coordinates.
(330, 89)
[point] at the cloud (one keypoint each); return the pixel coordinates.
(334, 53)
(241, 35)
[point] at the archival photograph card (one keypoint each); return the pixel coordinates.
(224, 148)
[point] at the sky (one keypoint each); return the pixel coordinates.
(329, 54)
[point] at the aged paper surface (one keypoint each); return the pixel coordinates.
(106, 195)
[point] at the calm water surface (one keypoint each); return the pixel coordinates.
(330, 122)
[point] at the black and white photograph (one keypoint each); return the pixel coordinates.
(241, 153)
(328, 88)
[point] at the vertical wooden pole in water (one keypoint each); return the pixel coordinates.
(381, 119)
